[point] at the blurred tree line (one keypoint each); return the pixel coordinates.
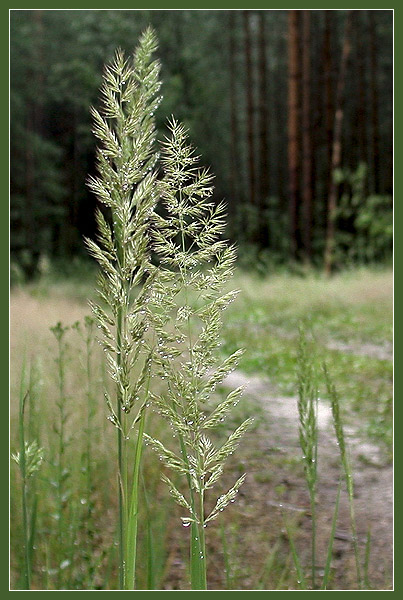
(292, 109)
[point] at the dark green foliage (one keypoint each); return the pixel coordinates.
(56, 65)
(365, 222)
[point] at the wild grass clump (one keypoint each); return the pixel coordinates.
(136, 296)
(196, 264)
(127, 185)
(308, 382)
(29, 458)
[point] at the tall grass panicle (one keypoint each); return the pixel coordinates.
(196, 264)
(308, 430)
(308, 380)
(346, 468)
(126, 185)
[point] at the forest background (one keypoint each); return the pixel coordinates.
(292, 109)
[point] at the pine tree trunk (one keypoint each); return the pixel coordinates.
(235, 167)
(263, 131)
(374, 102)
(306, 135)
(329, 108)
(249, 108)
(279, 122)
(337, 142)
(362, 96)
(293, 121)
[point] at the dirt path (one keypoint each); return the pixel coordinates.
(372, 478)
(380, 352)
(371, 350)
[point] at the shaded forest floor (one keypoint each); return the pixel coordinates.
(350, 324)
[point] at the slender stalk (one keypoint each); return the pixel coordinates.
(89, 341)
(151, 563)
(24, 502)
(126, 185)
(28, 458)
(32, 526)
(354, 527)
(308, 432)
(297, 562)
(313, 541)
(331, 540)
(202, 545)
(132, 525)
(197, 545)
(122, 479)
(194, 551)
(61, 472)
(314, 408)
(346, 466)
(88, 515)
(366, 560)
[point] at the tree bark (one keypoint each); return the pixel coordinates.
(337, 143)
(329, 107)
(249, 108)
(293, 130)
(373, 45)
(362, 96)
(306, 135)
(263, 131)
(234, 171)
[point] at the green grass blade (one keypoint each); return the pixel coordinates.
(331, 540)
(32, 527)
(366, 560)
(268, 567)
(346, 466)
(24, 500)
(132, 523)
(195, 571)
(151, 566)
(195, 549)
(151, 579)
(295, 557)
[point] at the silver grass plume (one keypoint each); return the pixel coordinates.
(196, 264)
(126, 184)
